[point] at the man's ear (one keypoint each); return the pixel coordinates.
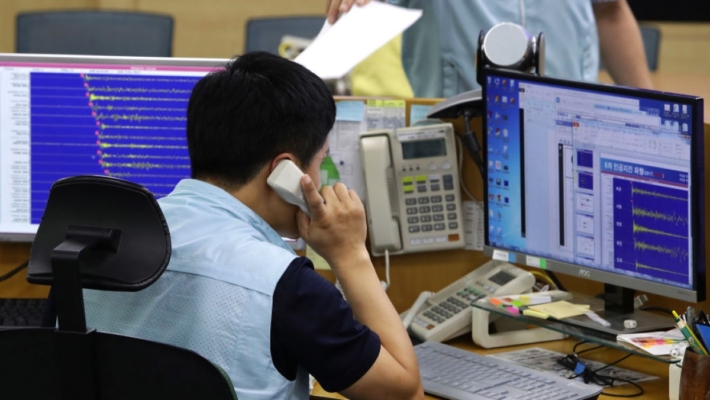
(283, 156)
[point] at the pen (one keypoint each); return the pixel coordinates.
(689, 335)
(690, 320)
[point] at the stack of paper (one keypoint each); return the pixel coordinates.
(657, 343)
(561, 309)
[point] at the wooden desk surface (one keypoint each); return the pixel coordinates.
(655, 389)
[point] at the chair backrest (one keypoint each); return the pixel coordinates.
(264, 34)
(102, 233)
(651, 43)
(103, 33)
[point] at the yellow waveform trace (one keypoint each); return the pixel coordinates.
(144, 165)
(644, 266)
(656, 194)
(137, 117)
(106, 156)
(89, 78)
(110, 89)
(673, 252)
(672, 218)
(162, 128)
(138, 175)
(140, 146)
(95, 97)
(129, 108)
(104, 136)
(642, 229)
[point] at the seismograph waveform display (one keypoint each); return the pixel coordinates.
(129, 127)
(651, 229)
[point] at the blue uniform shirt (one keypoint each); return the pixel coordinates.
(235, 293)
(439, 50)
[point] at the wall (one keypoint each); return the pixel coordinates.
(685, 47)
(10, 9)
(207, 28)
(215, 28)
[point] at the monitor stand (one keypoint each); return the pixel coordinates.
(619, 307)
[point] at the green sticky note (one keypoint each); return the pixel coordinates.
(543, 263)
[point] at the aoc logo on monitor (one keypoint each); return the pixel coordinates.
(585, 273)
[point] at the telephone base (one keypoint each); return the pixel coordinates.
(509, 331)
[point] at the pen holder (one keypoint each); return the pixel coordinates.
(695, 376)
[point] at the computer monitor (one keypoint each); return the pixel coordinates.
(62, 116)
(600, 182)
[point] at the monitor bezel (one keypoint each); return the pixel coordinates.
(215, 63)
(697, 194)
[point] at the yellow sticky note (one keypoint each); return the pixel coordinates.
(560, 309)
(318, 261)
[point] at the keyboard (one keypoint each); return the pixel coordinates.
(21, 312)
(459, 374)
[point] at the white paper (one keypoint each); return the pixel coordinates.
(473, 225)
(344, 141)
(356, 35)
(546, 361)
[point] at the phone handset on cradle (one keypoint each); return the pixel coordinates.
(286, 181)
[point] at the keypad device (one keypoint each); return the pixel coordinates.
(429, 207)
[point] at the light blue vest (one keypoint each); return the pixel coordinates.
(216, 296)
(439, 50)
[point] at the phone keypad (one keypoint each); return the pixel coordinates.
(423, 209)
(454, 304)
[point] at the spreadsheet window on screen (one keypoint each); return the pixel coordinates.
(69, 116)
(591, 178)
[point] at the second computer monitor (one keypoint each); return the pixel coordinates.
(63, 116)
(601, 182)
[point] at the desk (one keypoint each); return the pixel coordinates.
(656, 389)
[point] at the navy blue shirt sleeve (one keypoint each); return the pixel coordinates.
(313, 326)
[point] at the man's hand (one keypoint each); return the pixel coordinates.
(337, 228)
(333, 8)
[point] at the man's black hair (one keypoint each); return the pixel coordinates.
(260, 105)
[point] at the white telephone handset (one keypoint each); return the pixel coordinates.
(286, 181)
(413, 196)
(447, 313)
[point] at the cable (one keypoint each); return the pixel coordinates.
(14, 271)
(472, 143)
(573, 363)
(460, 157)
(386, 284)
(574, 349)
(544, 278)
(554, 279)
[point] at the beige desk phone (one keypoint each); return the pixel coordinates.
(448, 314)
(286, 181)
(412, 188)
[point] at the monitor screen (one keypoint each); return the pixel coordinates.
(598, 181)
(62, 116)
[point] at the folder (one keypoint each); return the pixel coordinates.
(703, 334)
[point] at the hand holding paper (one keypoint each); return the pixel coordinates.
(356, 35)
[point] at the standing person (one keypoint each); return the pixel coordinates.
(439, 50)
(234, 291)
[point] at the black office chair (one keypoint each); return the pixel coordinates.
(107, 234)
(101, 33)
(264, 34)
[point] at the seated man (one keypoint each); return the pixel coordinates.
(234, 291)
